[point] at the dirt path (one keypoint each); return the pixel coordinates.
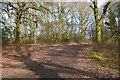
(68, 61)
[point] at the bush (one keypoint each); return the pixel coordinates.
(64, 40)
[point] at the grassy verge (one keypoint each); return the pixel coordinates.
(116, 72)
(103, 63)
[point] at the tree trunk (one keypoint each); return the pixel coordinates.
(98, 28)
(83, 34)
(17, 39)
(98, 33)
(18, 18)
(35, 38)
(99, 21)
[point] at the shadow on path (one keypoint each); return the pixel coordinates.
(40, 69)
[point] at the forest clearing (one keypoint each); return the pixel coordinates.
(62, 40)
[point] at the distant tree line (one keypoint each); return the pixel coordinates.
(35, 22)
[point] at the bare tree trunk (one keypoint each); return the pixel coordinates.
(98, 33)
(99, 21)
(35, 37)
(17, 39)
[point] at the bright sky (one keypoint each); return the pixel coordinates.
(54, 0)
(101, 2)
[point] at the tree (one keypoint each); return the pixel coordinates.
(99, 20)
(22, 8)
(111, 22)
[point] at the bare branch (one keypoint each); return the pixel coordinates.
(104, 11)
(12, 6)
(91, 7)
(40, 21)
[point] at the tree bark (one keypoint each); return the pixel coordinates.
(98, 33)
(17, 39)
(99, 21)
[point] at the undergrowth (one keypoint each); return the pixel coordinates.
(98, 57)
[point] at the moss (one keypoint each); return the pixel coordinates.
(103, 63)
(95, 56)
(116, 72)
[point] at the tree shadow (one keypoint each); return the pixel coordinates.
(68, 51)
(42, 71)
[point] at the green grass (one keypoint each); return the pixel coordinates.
(95, 56)
(116, 72)
(103, 63)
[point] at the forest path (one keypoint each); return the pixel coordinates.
(63, 61)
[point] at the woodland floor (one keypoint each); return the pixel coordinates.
(52, 61)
